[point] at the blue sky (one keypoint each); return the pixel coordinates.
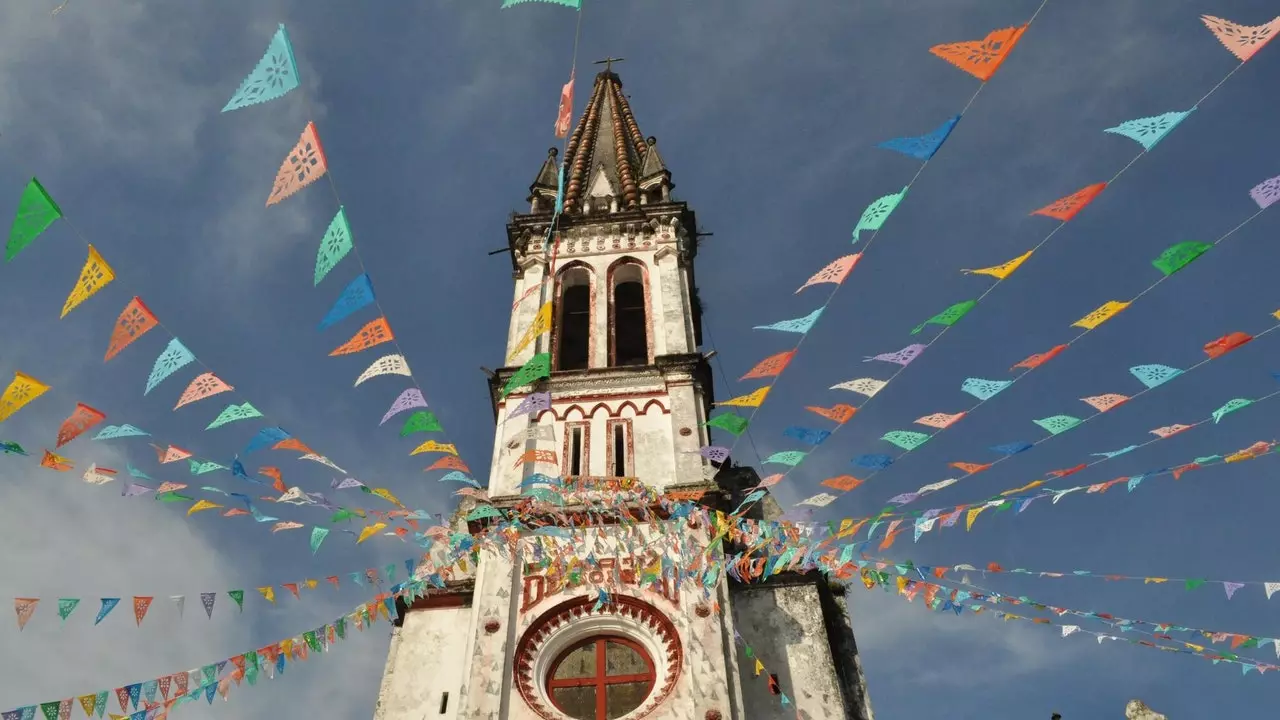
(435, 119)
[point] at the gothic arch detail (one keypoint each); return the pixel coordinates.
(630, 319)
(579, 412)
(572, 339)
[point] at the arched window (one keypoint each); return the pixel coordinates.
(601, 678)
(573, 331)
(629, 316)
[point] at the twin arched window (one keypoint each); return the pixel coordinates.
(628, 316)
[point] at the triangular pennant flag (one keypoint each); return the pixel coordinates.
(54, 461)
(948, 317)
(1180, 256)
(108, 604)
(179, 602)
(81, 419)
(1148, 131)
(95, 275)
(533, 404)
(922, 147)
(434, 446)
(203, 386)
(385, 365)
(905, 439)
(1003, 270)
(940, 421)
(752, 399)
(862, 386)
(874, 217)
(140, 606)
(202, 505)
(786, 457)
(984, 389)
(449, 462)
(200, 468)
(318, 535)
(1105, 312)
(36, 212)
(25, 608)
(1226, 344)
(336, 242)
(232, 413)
(1154, 375)
(22, 390)
(408, 400)
(902, 357)
(835, 272)
(1103, 403)
(981, 58)
(731, 423)
(175, 357)
(838, 413)
(356, 295)
(1066, 208)
(304, 164)
(207, 599)
(238, 597)
(541, 324)
(1243, 41)
(375, 332)
(798, 325)
(420, 421)
(1058, 423)
(66, 606)
(564, 114)
(134, 322)
(1266, 194)
(538, 366)
(1230, 407)
(771, 366)
(273, 77)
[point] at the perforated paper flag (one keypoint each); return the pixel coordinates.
(984, 389)
(95, 275)
(981, 58)
(1179, 256)
(420, 421)
(752, 399)
(905, 439)
(1266, 193)
(1103, 403)
(808, 436)
(1058, 423)
(902, 357)
(1243, 41)
(538, 366)
(374, 333)
(21, 390)
(819, 500)
(36, 212)
(174, 357)
(534, 403)
(112, 432)
(874, 217)
(835, 272)
(839, 413)
(940, 420)
(1035, 361)
(273, 77)
(922, 147)
(1004, 269)
(1230, 407)
(233, 413)
(862, 386)
(1148, 131)
(564, 114)
(1154, 375)
(386, 365)
(771, 366)
(134, 322)
(408, 400)
(1104, 313)
(304, 164)
(729, 422)
(786, 457)
(81, 419)
(948, 317)
(798, 325)
(873, 461)
(203, 386)
(1068, 207)
(541, 324)
(356, 295)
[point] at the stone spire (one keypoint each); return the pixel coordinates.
(608, 161)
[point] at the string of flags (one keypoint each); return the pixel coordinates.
(25, 607)
(1151, 377)
(978, 58)
(1147, 132)
(1229, 587)
(759, 670)
(275, 75)
(941, 598)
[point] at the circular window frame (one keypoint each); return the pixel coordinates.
(572, 622)
(599, 677)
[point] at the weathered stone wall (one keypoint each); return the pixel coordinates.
(425, 663)
(785, 628)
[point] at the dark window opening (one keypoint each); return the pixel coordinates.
(619, 450)
(444, 703)
(630, 324)
(601, 678)
(575, 451)
(575, 328)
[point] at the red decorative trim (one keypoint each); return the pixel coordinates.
(648, 307)
(600, 678)
(655, 399)
(582, 607)
(559, 308)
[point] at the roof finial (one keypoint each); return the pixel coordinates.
(608, 63)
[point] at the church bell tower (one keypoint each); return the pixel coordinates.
(621, 631)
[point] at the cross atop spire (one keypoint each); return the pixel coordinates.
(608, 62)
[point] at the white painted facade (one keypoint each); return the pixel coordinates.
(484, 652)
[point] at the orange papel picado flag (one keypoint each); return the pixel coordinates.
(981, 58)
(375, 332)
